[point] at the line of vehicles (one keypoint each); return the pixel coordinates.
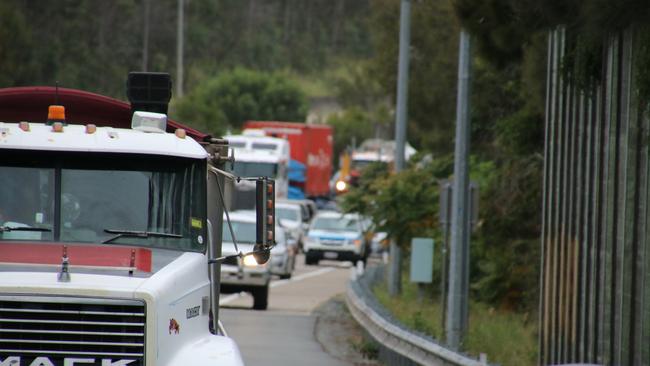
(299, 158)
(327, 235)
(354, 160)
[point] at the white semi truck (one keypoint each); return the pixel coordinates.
(257, 155)
(110, 238)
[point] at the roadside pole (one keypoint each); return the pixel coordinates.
(457, 307)
(145, 35)
(444, 220)
(395, 275)
(179, 49)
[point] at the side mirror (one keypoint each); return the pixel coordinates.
(265, 207)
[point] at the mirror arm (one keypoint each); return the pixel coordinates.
(231, 176)
(216, 171)
(261, 251)
(238, 255)
(226, 174)
(221, 259)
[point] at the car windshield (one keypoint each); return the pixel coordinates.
(245, 232)
(335, 224)
(288, 213)
(78, 197)
(255, 169)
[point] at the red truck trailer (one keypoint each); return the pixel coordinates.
(311, 145)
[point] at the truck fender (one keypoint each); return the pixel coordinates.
(210, 350)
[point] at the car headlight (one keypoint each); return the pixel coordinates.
(356, 242)
(249, 261)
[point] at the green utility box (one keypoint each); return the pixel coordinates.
(421, 260)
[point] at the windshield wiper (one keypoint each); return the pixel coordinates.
(4, 229)
(136, 234)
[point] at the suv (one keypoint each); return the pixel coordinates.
(336, 236)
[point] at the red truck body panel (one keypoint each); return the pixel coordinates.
(311, 145)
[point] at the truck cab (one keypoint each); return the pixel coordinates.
(257, 155)
(108, 246)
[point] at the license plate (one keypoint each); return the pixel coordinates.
(331, 255)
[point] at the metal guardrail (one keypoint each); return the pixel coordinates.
(411, 347)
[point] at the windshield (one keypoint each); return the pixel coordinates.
(77, 197)
(335, 224)
(245, 232)
(363, 164)
(255, 169)
(287, 213)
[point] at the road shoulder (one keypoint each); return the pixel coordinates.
(339, 334)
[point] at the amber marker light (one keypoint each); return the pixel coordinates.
(57, 127)
(24, 126)
(55, 113)
(90, 129)
(180, 133)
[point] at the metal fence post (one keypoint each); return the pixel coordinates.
(459, 258)
(394, 281)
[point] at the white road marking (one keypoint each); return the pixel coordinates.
(304, 276)
(230, 298)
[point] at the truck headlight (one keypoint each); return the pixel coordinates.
(341, 186)
(249, 261)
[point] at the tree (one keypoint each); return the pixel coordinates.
(233, 97)
(14, 46)
(433, 59)
(403, 205)
(352, 125)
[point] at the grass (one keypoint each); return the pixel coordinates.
(507, 338)
(366, 347)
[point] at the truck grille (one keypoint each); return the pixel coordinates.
(85, 328)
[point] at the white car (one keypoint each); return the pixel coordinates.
(245, 274)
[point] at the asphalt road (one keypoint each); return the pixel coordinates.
(284, 333)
